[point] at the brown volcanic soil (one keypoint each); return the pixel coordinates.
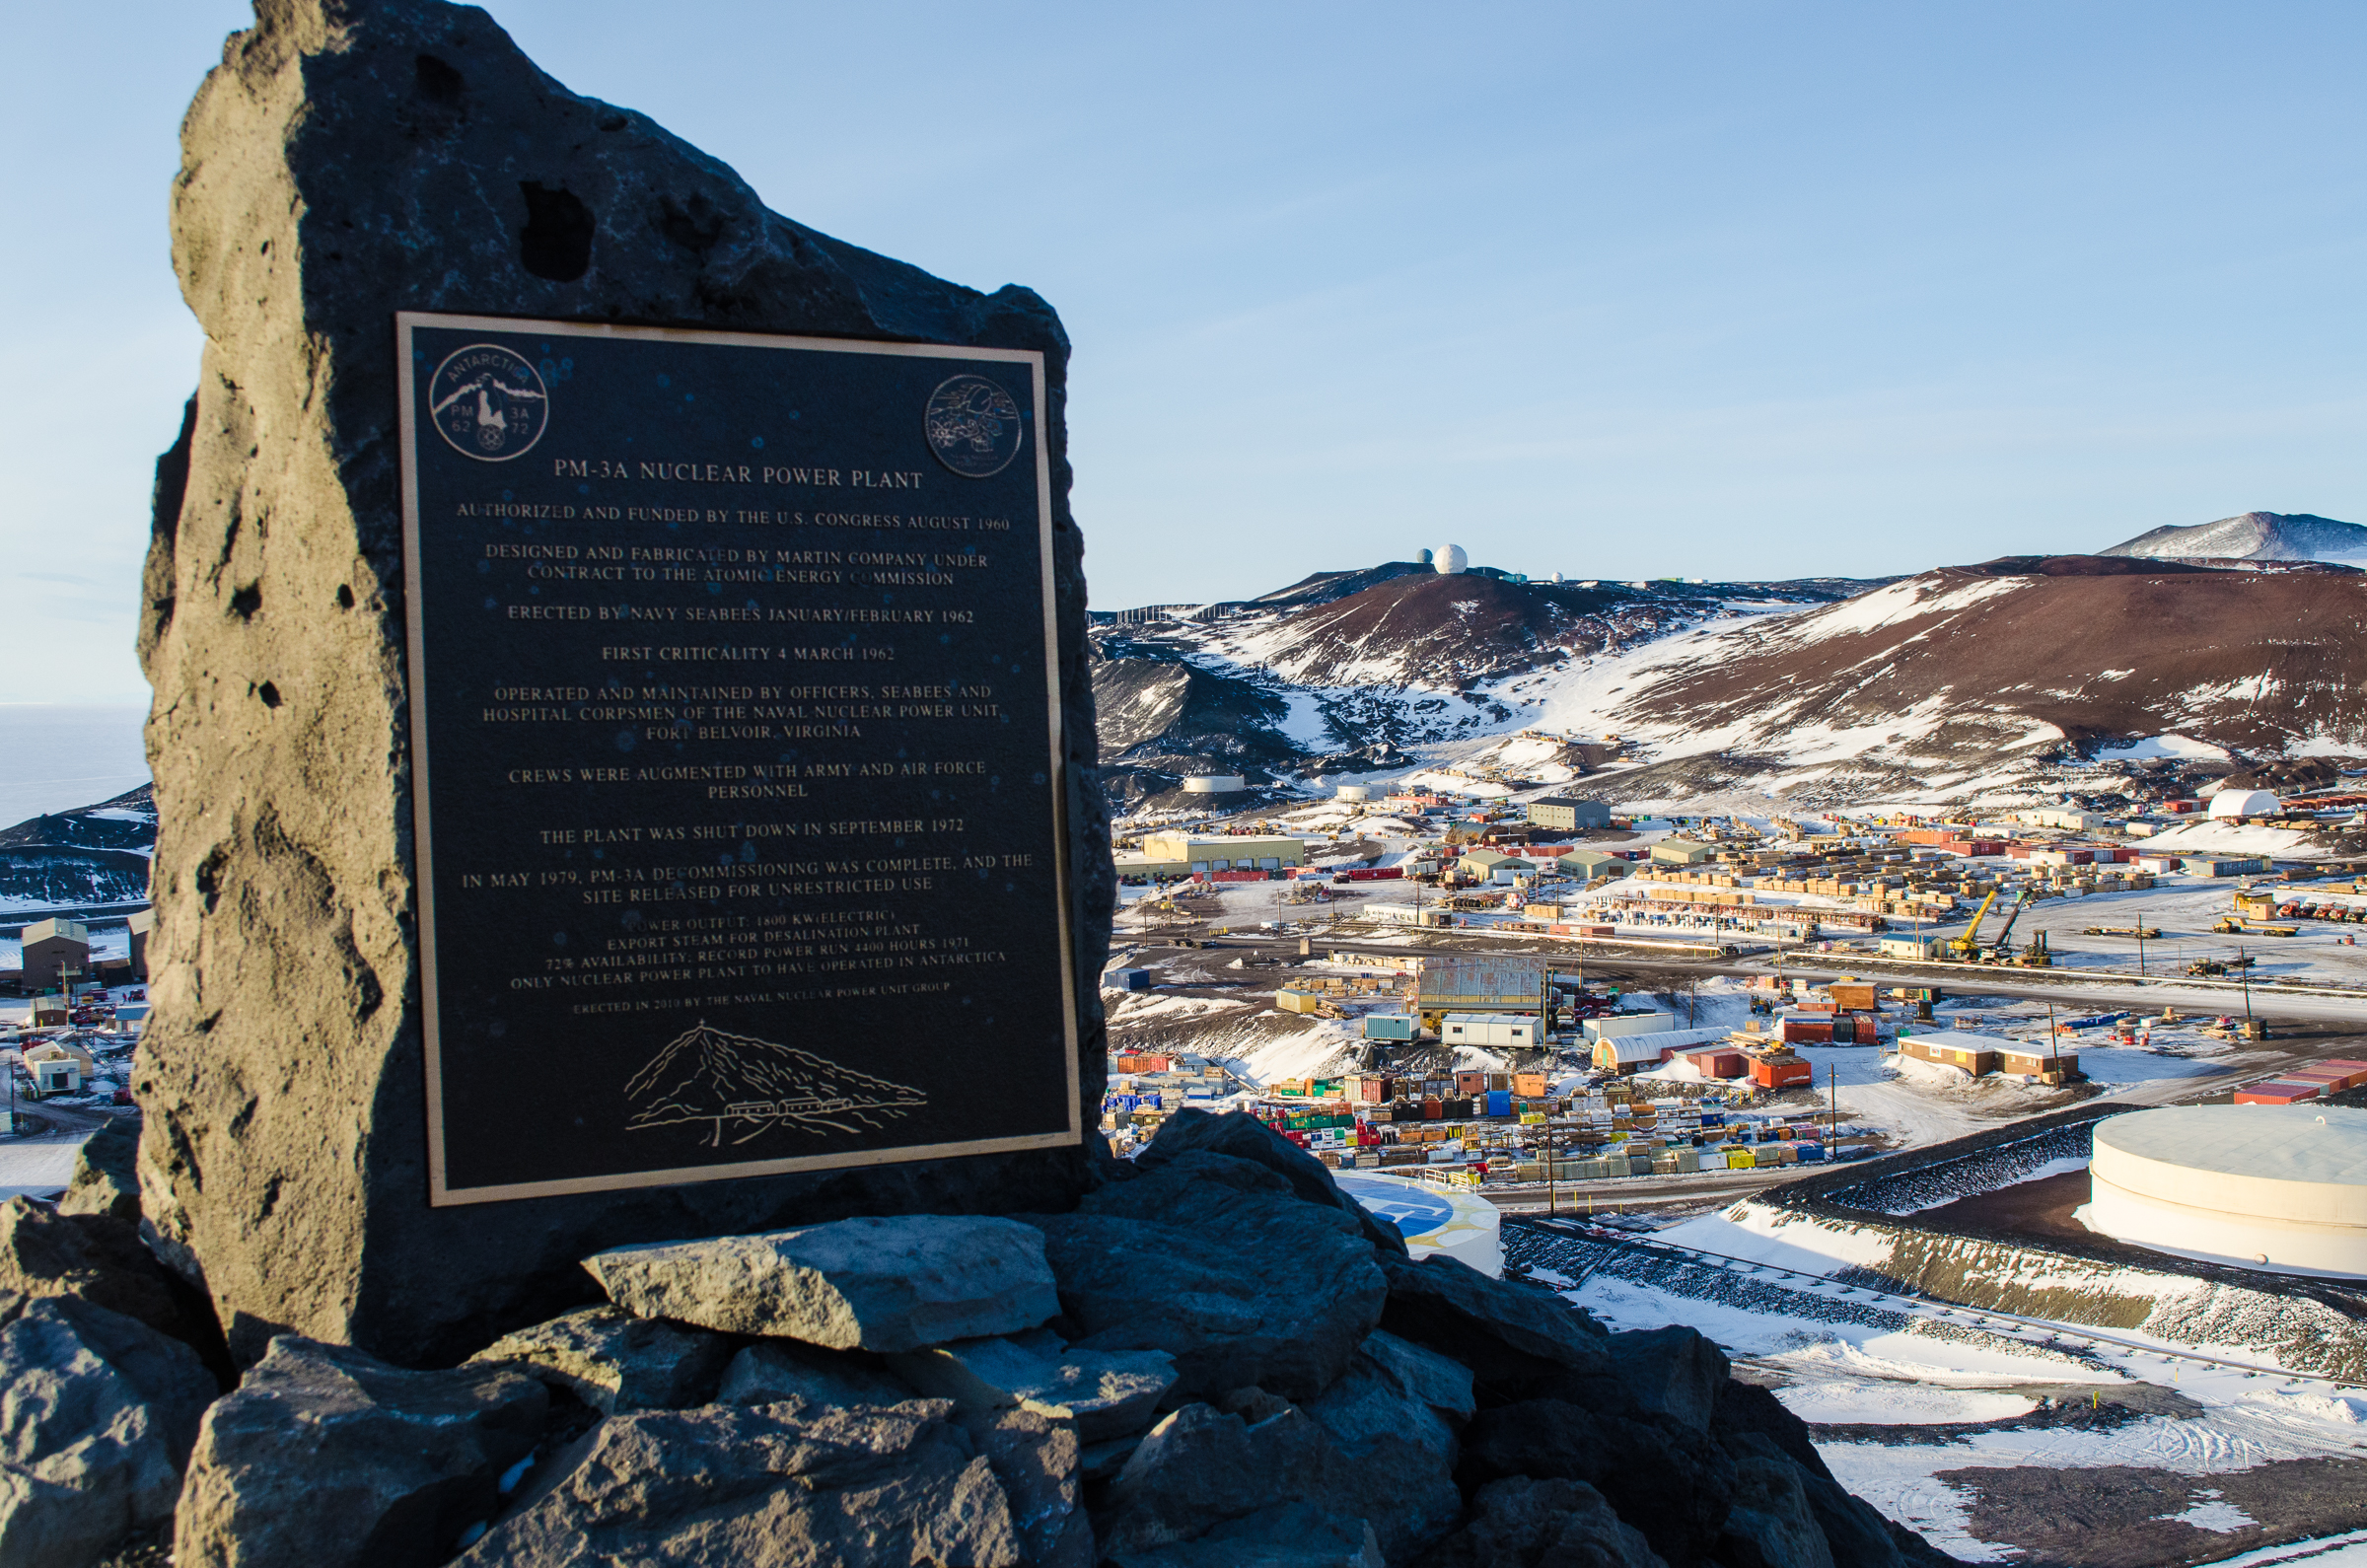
(2097, 646)
(2118, 1516)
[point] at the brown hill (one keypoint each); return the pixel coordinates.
(1970, 661)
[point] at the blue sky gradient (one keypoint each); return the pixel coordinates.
(1722, 290)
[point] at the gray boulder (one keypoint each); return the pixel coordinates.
(1244, 1137)
(764, 1487)
(773, 1370)
(1106, 1394)
(1394, 1448)
(1752, 1420)
(1673, 1371)
(614, 1362)
(1214, 1261)
(1770, 1523)
(326, 1457)
(1521, 1522)
(107, 1174)
(95, 1256)
(100, 1414)
(1036, 1460)
(1286, 1535)
(875, 1284)
(1201, 1467)
(1662, 1477)
(1520, 1341)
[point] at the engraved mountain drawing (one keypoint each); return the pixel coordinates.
(747, 1085)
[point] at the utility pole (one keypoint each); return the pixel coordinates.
(2053, 1041)
(1833, 1091)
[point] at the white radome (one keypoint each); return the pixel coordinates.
(1451, 560)
(2244, 803)
(2281, 1188)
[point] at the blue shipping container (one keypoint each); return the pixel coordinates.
(1499, 1101)
(1388, 1026)
(1135, 979)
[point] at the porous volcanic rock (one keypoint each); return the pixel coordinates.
(614, 1362)
(772, 1370)
(97, 1422)
(326, 1458)
(1216, 1262)
(346, 160)
(1106, 1394)
(766, 1487)
(891, 1284)
(107, 1175)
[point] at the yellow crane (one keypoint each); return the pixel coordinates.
(1968, 943)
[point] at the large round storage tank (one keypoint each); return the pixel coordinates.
(1355, 792)
(2244, 803)
(2281, 1188)
(1214, 784)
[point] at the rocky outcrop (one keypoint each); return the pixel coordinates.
(873, 1284)
(1275, 1386)
(772, 1370)
(99, 1420)
(107, 1176)
(326, 1457)
(1103, 1393)
(344, 162)
(95, 1256)
(614, 1362)
(769, 1487)
(1215, 1260)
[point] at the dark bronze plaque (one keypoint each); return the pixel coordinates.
(736, 740)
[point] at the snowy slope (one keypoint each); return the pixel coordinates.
(2255, 537)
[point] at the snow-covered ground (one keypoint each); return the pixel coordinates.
(1844, 1356)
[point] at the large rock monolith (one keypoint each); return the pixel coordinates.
(347, 160)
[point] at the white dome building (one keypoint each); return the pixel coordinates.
(2279, 1187)
(2244, 803)
(1451, 560)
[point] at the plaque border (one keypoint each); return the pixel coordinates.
(441, 1194)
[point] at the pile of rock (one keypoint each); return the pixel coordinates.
(1215, 1359)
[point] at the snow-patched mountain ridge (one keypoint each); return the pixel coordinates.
(2255, 537)
(2014, 678)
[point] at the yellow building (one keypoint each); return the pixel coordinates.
(1196, 854)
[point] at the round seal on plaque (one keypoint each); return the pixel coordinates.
(489, 402)
(973, 426)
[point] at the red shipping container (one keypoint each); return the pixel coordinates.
(2276, 1092)
(1470, 1084)
(1808, 1031)
(2354, 1072)
(1775, 1074)
(1434, 1110)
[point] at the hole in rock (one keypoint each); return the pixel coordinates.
(345, 596)
(438, 82)
(270, 693)
(246, 600)
(556, 242)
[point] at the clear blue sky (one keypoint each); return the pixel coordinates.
(1720, 290)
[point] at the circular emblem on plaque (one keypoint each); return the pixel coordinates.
(489, 402)
(973, 426)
